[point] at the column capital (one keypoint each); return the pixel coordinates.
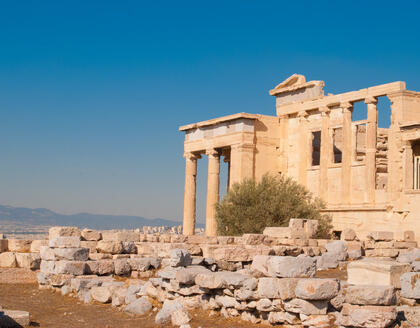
(325, 110)
(212, 152)
(283, 116)
(346, 106)
(303, 114)
(371, 100)
(191, 156)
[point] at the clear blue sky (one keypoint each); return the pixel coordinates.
(92, 92)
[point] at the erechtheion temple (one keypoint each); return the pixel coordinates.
(369, 177)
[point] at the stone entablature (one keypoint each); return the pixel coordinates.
(365, 174)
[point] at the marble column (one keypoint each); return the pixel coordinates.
(303, 147)
(212, 191)
(371, 139)
(190, 193)
(326, 151)
(347, 153)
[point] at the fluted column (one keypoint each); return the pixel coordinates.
(190, 193)
(371, 139)
(325, 153)
(347, 153)
(303, 147)
(212, 191)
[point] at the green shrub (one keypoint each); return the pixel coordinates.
(250, 206)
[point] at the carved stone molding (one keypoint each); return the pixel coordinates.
(371, 100)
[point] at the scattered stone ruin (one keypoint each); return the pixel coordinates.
(369, 177)
(283, 277)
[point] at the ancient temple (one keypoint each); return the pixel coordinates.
(369, 177)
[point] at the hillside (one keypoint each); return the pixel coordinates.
(46, 217)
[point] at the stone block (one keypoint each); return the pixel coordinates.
(410, 285)
(64, 242)
(140, 306)
(381, 235)
(376, 272)
(118, 296)
(76, 268)
(180, 258)
(338, 248)
(109, 247)
(275, 318)
(164, 315)
(317, 289)
(300, 306)
(47, 253)
(28, 260)
(36, 245)
(235, 253)
(405, 244)
(71, 253)
(369, 316)
(382, 252)
(180, 317)
(278, 232)
(47, 267)
(89, 244)
(100, 256)
(370, 295)
(187, 275)
(259, 265)
(225, 240)
(125, 235)
(253, 239)
(168, 272)
(84, 283)
(122, 267)
(64, 232)
(210, 281)
(348, 234)
(8, 260)
(291, 267)
(101, 294)
(129, 247)
(275, 288)
(19, 245)
(355, 254)
(410, 256)
(101, 267)
(327, 261)
(91, 235)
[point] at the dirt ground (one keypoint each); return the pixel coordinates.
(19, 291)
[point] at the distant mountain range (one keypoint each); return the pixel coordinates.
(46, 217)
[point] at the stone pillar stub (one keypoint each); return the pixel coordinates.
(325, 156)
(347, 152)
(190, 193)
(371, 140)
(213, 182)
